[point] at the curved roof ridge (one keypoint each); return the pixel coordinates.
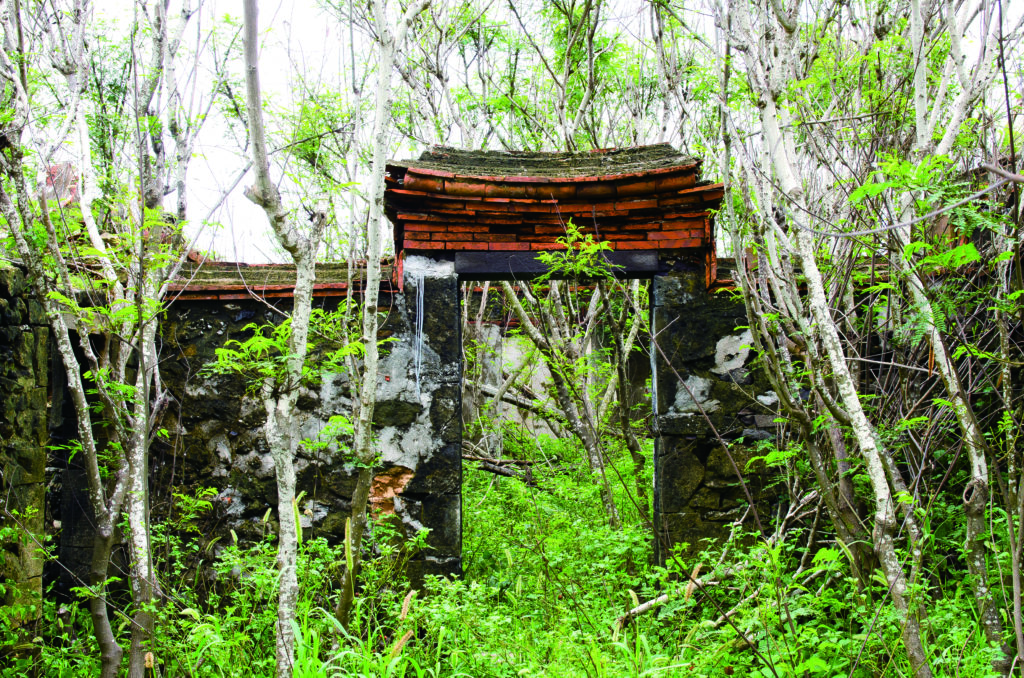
(524, 165)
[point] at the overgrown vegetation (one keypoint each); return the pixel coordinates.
(869, 152)
(546, 584)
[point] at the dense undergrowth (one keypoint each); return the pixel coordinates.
(545, 581)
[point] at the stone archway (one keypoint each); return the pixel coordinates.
(465, 215)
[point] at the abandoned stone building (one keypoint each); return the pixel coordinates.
(458, 216)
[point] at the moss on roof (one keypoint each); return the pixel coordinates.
(530, 164)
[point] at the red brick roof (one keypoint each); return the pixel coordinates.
(645, 198)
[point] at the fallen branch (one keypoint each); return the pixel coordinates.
(516, 462)
(640, 609)
(526, 477)
(515, 401)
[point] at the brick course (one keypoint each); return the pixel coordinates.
(436, 207)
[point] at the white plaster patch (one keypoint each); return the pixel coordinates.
(406, 447)
(334, 393)
(312, 511)
(231, 501)
(731, 352)
(427, 267)
(406, 516)
(687, 404)
(219, 446)
(255, 464)
(768, 398)
(396, 380)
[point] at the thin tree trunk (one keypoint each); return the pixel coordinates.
(279, 395)
(387, 43)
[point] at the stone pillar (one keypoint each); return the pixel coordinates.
(24, 372)
(703, 344)
(419, 414)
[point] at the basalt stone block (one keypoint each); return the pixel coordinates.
(76, 513)
(12, 283)
(418, 568)
(42, 361)
(446, 413)
(705, 498)
(396, 412)
(36, 313)
(690, 425)
(438, 473)
(720, 463)
(689, 528)
(678, 472)
(442, 514)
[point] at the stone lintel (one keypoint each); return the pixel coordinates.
(519, 265)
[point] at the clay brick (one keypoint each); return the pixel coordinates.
(549, 230)
(416, 182)
(411, 227)
(420, 245)
(445, 204)
(412, 216)
(686, 215)
(635, 245)
(509, 246)
(684, 243)
(415, 235)
(405, 192)
(457, 187)
(494, 237)
(675, 182)
(466, 246)
(682, 224)
(500, 219)
(466, 228)
(640, 226)
(674, 200)
(505, 191)
(675, 235)
(604, 189)
(551, 191)
(496, 206)
(539, 246)
(647, 204)
(636, 187)
(533, 206)
(618, 236)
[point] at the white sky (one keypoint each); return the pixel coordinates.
(297, 37)
(296, 32)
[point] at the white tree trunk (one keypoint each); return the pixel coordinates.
(279, 395)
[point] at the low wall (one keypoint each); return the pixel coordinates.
(24, 371)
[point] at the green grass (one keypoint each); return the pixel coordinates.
(545, 579)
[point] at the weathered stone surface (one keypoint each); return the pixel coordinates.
(690, 529)
(217, 435)
(720, 467)
(678, 472)
(705, 389)
(24, 370)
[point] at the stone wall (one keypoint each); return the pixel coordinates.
(216, 432)
(24, 370)
(216, 428)
(703, 368)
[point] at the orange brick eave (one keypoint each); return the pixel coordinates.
(437, 209)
